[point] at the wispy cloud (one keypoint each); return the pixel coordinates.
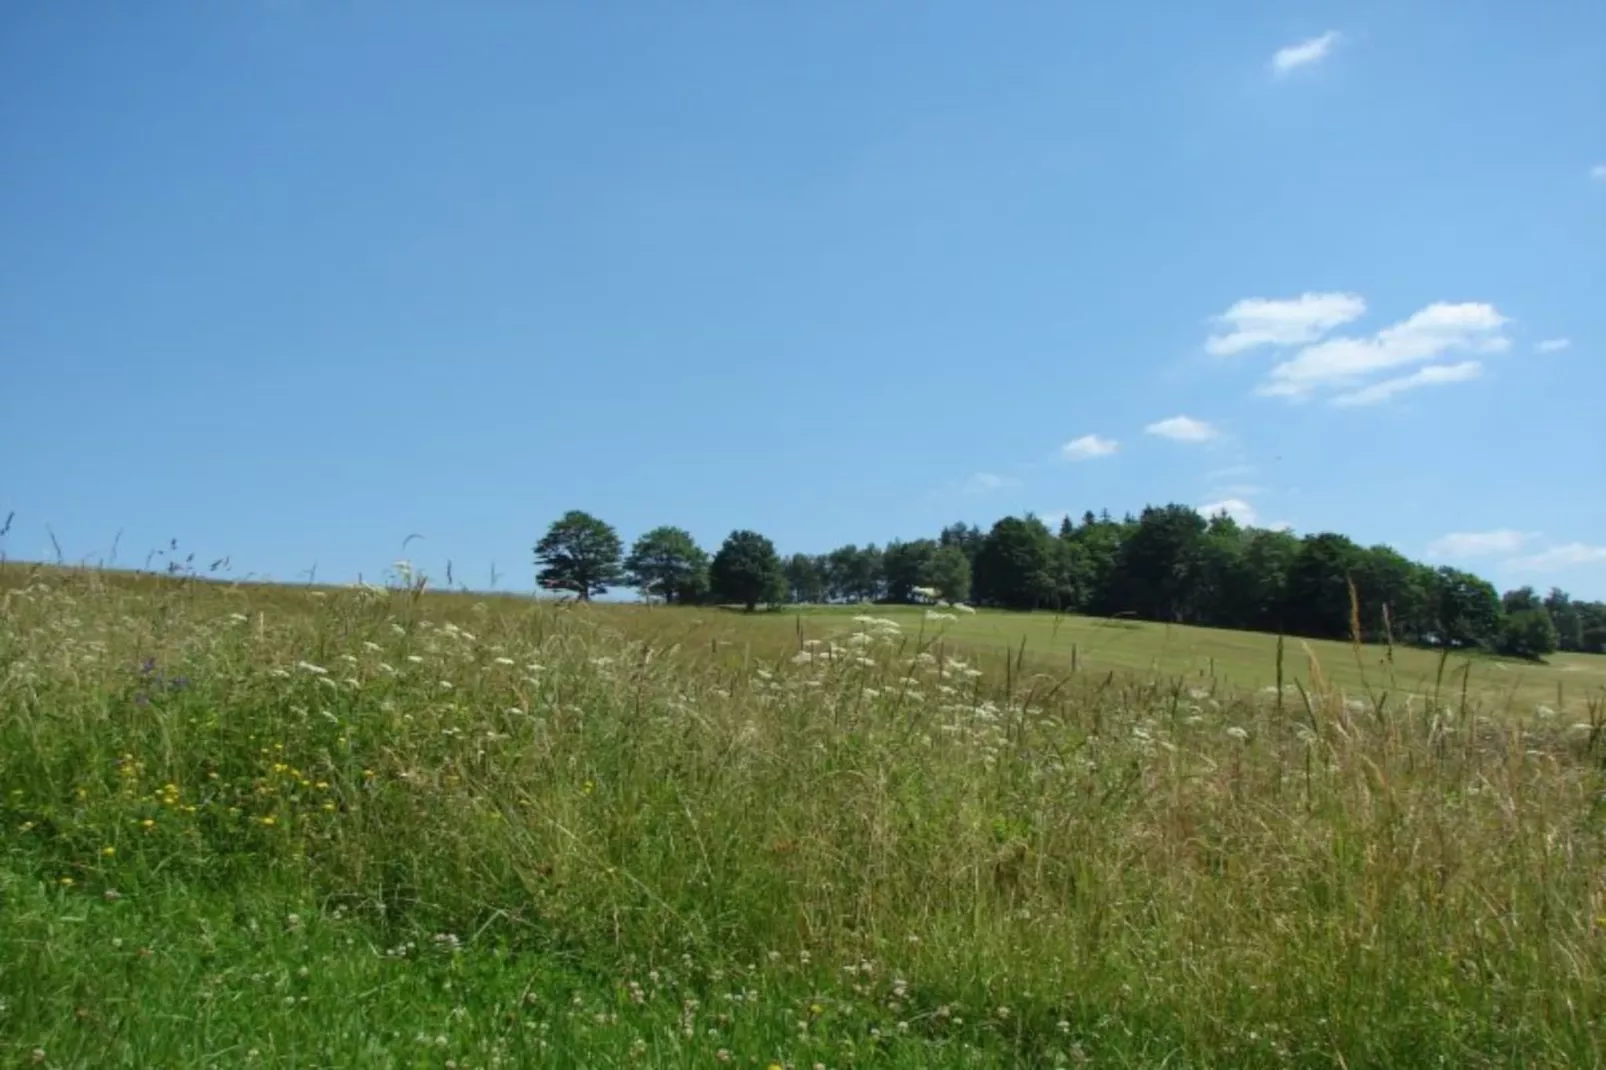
(1556, 558)
(1598, 172)
(1236, 508)
(1260, 321)
(1304, 53)
(1088, 447)
(987, 482)
(1345, 363)
(1432, 375)
(1460, 544)
(1182, 429)
(1553, 345)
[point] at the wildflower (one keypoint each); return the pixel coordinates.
(66, 882)
(447, 685)
(316, 670)
(503, 661)
(1238, 733)
(269, 821)
(415, 659)
(147, 824)
(108, 851)
(111, 895)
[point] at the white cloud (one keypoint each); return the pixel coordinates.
(1236, 508)
(1432, 375)
(985, 482)
(1258, 321)
(1088, 447)
(1480, 543)
(1304, 53)
(1279, 525)
(1556, 558)
(1182, 429)
(1344, 362)
(1553, 345)
(1598, 172)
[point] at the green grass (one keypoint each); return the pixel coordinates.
(1248, 660)
(495, 834)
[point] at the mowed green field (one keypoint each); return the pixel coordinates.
(1055, 645)
(347, 827)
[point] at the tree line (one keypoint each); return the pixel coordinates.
(1167, 564)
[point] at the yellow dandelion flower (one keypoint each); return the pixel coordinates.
(147, 824)
(66, 882)
(107, 852)
(322, 785)
(329, 808)
(270, 821)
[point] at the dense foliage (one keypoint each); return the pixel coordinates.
(1167, 564)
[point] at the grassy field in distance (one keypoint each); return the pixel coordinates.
(1236, 661)
(1249, 659)
(276, 826)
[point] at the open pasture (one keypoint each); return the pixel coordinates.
(257, 826)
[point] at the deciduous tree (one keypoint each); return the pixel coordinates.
(579, 554)
(668, 563)
(747, 571)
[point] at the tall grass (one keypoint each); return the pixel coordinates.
(883, 854)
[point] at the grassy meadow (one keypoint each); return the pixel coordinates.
(258, 826)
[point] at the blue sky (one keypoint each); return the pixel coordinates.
(290, 281)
